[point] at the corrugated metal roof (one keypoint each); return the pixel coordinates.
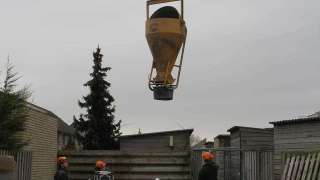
(236, 128)
(222, 135)
(316, 114)
(295, 121)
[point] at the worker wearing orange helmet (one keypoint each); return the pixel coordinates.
(100, 165)
(101, 173)
(209, 170)
(61, 173)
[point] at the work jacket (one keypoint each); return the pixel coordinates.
(209, 171)
(102, 175)
(61, 174)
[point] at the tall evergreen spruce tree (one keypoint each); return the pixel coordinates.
(97, 129)
(13, 111)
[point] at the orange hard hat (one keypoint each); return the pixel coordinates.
(62, 159)
(100, 164)
(207, 156)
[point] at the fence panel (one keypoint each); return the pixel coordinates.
(131, 165)
(237, 164)
(257, 165)
(301, 165)
(196, 164)
(24, 163)
(225, 159)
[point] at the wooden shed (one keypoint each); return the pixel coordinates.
(296, 135)
(222, 158)
(166, 141)
(222, 140)
(41, 135)
(247, 139)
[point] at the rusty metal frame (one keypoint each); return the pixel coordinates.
(153, 2)
(152, 83)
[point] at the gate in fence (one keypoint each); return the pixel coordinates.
(23, 163)
(236, 164)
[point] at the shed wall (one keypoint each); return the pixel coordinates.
(248, 139)
(253, 139)
(294, 138)
(41, 135)
(156, 142)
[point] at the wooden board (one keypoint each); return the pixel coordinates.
(296, 166)
(316, 168)
(290, 168)
(134, 166)
(285, 171)
(311, 167)
(306, 167)
(301, 167)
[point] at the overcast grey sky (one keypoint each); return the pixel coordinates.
(246, 63)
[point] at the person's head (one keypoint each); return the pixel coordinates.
(100, 165)
(207, 156)
(62, 162)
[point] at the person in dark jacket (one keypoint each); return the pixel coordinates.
(61, 173)
(209, 170)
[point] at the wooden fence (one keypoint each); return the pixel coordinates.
(301, 166)
(131, 165)
(24, 163)
(257, 165)
(236, 164)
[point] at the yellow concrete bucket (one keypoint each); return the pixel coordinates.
(166, 35)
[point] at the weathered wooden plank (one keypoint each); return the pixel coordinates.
(135, 169)
(285, 133)
(303, 134)
(270, 172)
(145, 161)
(257, 165)
(297, 147)
(306, 167)
(316, 167)
(296, 166)
(291, 166)
(136, 176)
(126, 154)
(286, 168)
(300, 140)
(301, 167)
(311, 167)
(245, 130)
(130, 167)
(248, 166)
